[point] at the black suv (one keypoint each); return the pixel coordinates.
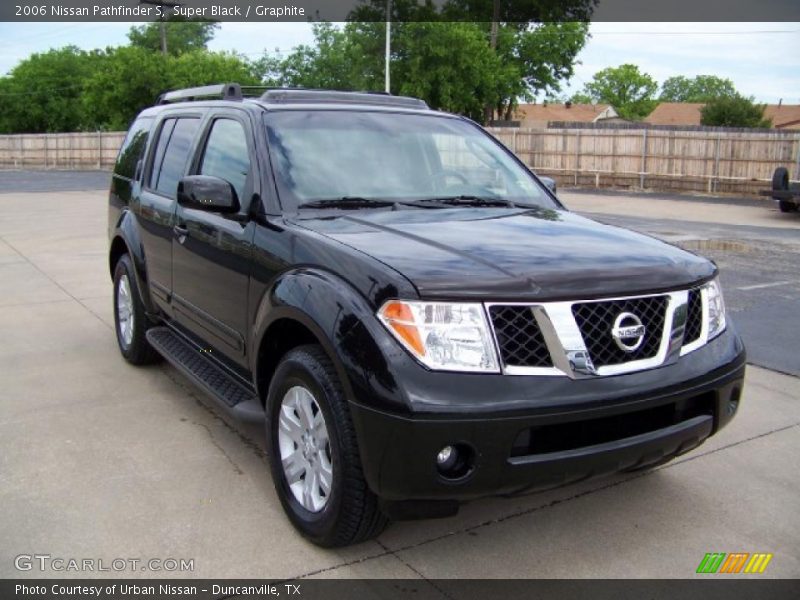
(417, 320)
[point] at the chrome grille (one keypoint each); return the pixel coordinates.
(694, 318)
(595, 321)
(518, 336)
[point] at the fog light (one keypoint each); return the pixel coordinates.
(455, 462)
(447, 457)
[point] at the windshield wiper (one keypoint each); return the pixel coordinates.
(351, 202)
(467, 200)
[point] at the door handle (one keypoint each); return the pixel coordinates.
(180, 231)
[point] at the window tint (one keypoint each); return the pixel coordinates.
(132, 147)
(320, 155)
(163, 139)
(226, 154)
(174, 162)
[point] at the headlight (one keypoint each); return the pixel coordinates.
(441, 335)
(716, 309)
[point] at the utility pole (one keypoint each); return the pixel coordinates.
(489, 109)
(162, 25)
(388, 43)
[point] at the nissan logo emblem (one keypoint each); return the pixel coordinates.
(628, 332)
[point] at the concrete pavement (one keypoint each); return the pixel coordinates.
(102, 460)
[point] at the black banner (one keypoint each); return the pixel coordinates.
(402, 589)
(402, 10)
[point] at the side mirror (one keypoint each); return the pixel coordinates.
(207, 193)
(549, 182)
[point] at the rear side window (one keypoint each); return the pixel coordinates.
(133, 147)
(226, 154)
(174, 145)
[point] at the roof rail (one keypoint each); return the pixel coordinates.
(223, 91)
(311, 96)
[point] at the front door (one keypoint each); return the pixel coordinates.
(211, 251)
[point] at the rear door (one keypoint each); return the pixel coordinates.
(211, 259)
(167, 163)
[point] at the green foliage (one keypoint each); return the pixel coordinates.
(701, 88)
(133, 78)
(458, 73)
(581, 98)
(734, 111)
(43, 92)
(348, 58)
(183, 35)
(73, 90)
(629, 91)
(448, 64)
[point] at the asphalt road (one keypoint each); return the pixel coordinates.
(99, 459)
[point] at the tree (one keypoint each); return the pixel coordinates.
(701, 88)
(43, 92)
(536, 60)
(734, 111)
(457, 73)
(132, 78)
(339, 59)
(448, 64)
(581, 98)
(629, 91)
(183, 35)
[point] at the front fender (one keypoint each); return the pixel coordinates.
(344, 323)
(126, 230)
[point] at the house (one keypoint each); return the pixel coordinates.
(537, 116)
(784, 116)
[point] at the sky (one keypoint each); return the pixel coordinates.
(762, 59)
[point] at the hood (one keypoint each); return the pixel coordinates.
(513, 254)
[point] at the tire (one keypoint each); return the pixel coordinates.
(780, 182)
(348, 512)
(131, 332)
(780, 179)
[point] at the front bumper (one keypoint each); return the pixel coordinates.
(587, 428)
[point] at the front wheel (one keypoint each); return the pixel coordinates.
(313, 453)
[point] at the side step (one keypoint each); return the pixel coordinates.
(202, 371)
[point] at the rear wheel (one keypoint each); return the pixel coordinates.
(131, 322)
(313, 453)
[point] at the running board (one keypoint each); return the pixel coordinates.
(202, 371)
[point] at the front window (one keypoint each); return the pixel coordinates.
(327, 155)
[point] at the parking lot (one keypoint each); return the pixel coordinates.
(102, 460)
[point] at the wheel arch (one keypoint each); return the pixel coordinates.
(125, 240)
(311, 306)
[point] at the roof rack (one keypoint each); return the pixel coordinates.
(311, 96)
(223, 91)
(283, 95)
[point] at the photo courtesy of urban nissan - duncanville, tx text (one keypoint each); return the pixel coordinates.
(411, 313)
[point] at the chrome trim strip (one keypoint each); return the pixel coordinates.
(702, 340)
(568, 349)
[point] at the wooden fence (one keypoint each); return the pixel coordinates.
(86, 150)
(703, 161)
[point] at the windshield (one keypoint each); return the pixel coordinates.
(328, 155)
